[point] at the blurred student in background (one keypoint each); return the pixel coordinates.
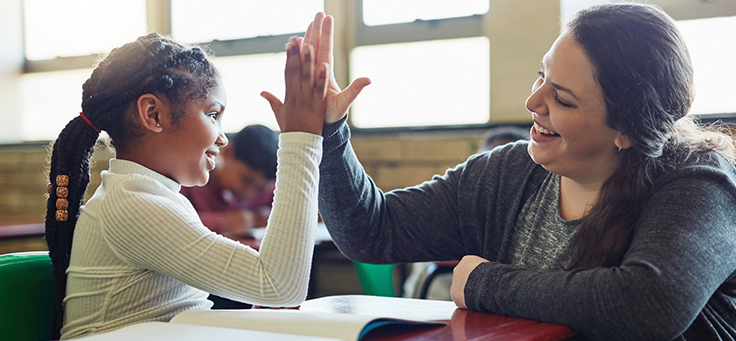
(239, 194)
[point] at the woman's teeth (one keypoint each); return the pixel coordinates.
(544, 131)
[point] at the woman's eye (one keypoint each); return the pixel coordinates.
(214, 115)
(557, 99)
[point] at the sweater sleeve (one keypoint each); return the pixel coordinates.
(413, 224)
(683, 251)
(158, 233)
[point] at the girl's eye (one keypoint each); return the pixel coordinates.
(557, 99)
(540, 73)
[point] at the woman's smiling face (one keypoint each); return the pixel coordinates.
(570, 135)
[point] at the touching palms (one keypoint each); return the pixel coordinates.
(320, 36)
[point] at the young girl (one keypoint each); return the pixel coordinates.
(616, 219)
(137, 250)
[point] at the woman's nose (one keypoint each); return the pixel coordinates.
(535, 101)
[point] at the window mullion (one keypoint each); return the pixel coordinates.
(420, 30)
(158, 16)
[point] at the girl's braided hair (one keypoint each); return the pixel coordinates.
(151, 64)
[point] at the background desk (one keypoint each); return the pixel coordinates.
(20, 238)
(462, 324)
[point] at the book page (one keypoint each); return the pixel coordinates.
(162, 331)
(341, 326)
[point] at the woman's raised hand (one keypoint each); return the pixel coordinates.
(304, 103)
(320, 35)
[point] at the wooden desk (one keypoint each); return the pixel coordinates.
(462, 324)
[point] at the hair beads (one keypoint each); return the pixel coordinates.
(61, 193)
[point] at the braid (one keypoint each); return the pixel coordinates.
(151, 64)
(70, 156)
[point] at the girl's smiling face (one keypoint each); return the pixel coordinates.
(570, 135)
(193, 143)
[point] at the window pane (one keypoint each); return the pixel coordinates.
(245, 77)
(712, 50)
(234, 19)
(49, 100)
(381, 12)
(441, 82)
(80, 27)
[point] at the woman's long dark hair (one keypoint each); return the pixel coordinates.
(151, 64)
(644, 69)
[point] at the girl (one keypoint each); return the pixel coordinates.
(616, 219)
(137, 250)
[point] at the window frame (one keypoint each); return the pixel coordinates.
(350, 36)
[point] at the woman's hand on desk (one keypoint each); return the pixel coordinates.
(460, 277)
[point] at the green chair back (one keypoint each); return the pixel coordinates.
(376, 279)
(26, 296)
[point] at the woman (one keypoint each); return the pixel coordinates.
(616, 219)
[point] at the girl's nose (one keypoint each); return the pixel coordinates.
(222, 140)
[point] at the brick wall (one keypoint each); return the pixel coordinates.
(411, 158)
(392, 161)
(23, 181)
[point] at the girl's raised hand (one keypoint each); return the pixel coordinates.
(304, 103)
(320, 36)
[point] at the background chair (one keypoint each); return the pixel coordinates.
(376, 279)
(26, 296)
(434, 269)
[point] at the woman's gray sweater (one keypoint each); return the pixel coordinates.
(677, 280)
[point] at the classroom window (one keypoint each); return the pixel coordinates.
(713, 61)
(80, 27)
(438, 51)
(382, 12)
(444, 82)
(429, 59)
(710, 42)
(49, 101)
(245, 77)
(195, 21)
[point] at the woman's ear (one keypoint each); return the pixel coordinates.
(150, 111)
(622, 142)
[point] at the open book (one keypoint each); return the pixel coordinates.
(306, 323)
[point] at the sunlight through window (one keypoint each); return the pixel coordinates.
(441, 82)
(80, 27)
(712, 51)
(381, 12)
(239, 19)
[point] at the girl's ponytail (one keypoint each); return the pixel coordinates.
(68, 180)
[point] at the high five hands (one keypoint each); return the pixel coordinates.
(302, 100)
